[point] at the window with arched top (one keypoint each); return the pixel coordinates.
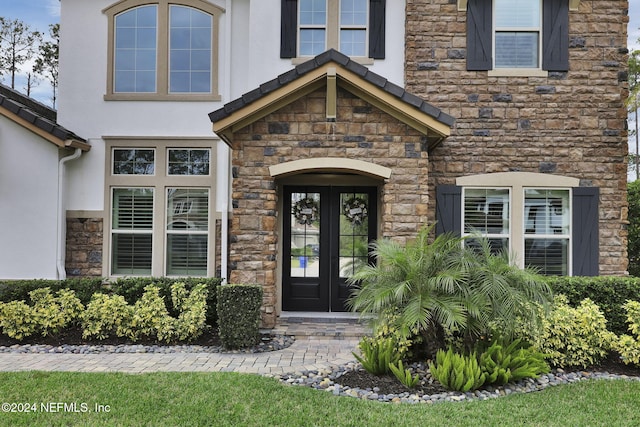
(163, 50)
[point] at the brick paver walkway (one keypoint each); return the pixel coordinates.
(306, 353)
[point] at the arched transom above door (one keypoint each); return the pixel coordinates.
(330, 164)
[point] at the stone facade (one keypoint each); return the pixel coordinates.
(84, 247)
(301, 131)
(569, 123)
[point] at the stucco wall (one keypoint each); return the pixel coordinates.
(29, 195)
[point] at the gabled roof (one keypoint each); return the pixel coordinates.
(350, 75)
(38, 118)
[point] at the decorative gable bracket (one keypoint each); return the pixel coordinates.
(462, 5)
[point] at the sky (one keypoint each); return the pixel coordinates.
(38, 15)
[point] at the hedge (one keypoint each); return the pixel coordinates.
(18, 290)
(610, 293)
(131, 288)
(239, 315)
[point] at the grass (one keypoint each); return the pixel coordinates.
(231, 399)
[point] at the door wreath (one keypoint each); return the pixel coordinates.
(355, 210)
(306, 211)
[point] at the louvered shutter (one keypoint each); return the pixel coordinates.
(377, 14)
(288, 28)
(585, 231)
(448, 209)
(555, 35)
(479, 35)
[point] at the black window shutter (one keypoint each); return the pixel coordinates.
(448, 209)
(479, 35)
(585, 231)
(555, 35)
(377, 12)
(288, 28)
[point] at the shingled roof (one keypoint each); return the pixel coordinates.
(419, 105)
(38, 118)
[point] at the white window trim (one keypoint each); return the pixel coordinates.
(167, 231)
(489, 235)
(518, 182)
(113, 149)
(186, 148)
(462, 5)
(113, 231)
(520, 71)
(160, 183)
(332, 33)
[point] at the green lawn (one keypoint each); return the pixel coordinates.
(230, 399)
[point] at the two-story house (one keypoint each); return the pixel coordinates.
(270, 141)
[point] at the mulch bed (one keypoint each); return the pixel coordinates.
(388, 384)
(73, 336)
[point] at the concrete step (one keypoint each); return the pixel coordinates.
(306, 325)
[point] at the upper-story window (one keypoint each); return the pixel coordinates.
(517, 33)
(333, 23)
(163, 50)
(354, 27)
(523, 36)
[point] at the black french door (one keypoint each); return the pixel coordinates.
(327, 232)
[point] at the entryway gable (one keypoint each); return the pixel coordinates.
(332, 69)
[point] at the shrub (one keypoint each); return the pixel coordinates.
(574, 336)
(457, 372)
(386, 326)
(627, 346)
(512, 362)
(633, 241)
(239, 315)
(17, 319)
(404, 375)
(377, 355)
(190, 323)
(52, 314)
(48, 314)
(151, 317)
(107, 316)
(132, 288)
(609, 292)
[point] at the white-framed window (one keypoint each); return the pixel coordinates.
(160, 217)
(338, 24)
(187, 231)
(534, 224)
(487, 213)
(131, 230)
(133, 161)
(547, 219)
(188, 161)
(163, 50)
(517, 33)
(517, 37)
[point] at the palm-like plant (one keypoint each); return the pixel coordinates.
(502, 292)
(444, 286)
(425, 281)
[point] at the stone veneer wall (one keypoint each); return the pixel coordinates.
(300, 131)
(569, 123)
(84, 247)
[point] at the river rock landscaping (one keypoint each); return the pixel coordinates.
(352, 381)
